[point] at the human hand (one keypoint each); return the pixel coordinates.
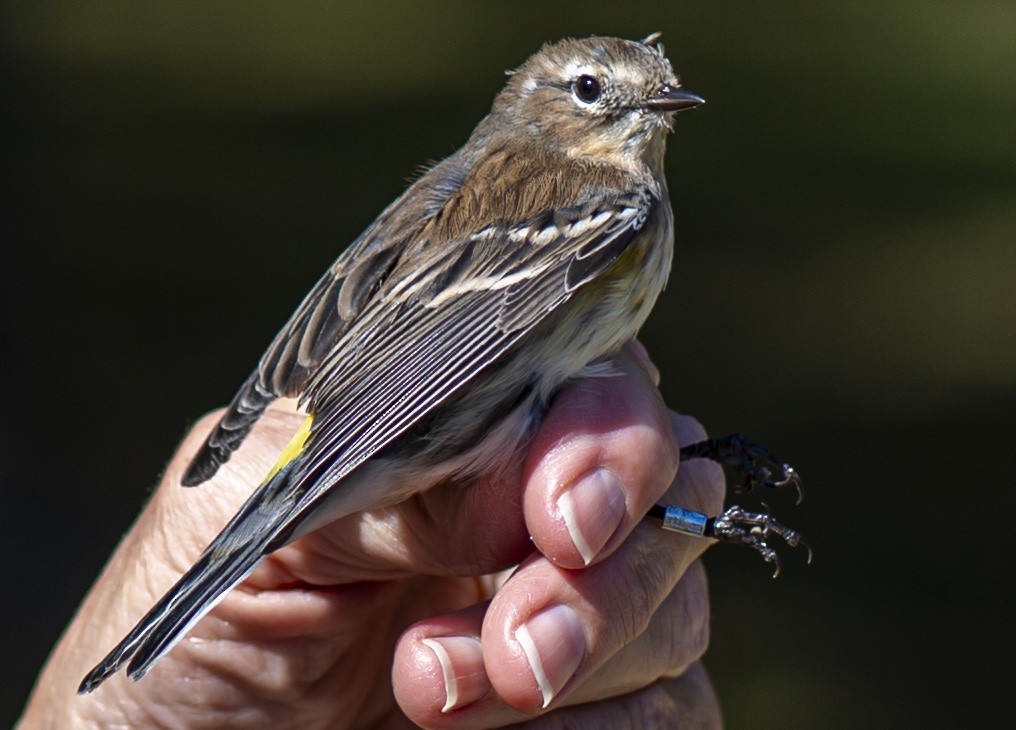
(309, 639)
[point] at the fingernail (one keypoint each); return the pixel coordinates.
(592, 510)
(555, 645)
(461, 660)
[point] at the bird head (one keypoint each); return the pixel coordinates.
(599, 98)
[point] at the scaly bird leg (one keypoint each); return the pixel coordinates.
(758, 467)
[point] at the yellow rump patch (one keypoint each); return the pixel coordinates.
(293, 448)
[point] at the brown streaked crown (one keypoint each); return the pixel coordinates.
(589, 95)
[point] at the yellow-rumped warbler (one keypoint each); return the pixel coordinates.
(432, 347)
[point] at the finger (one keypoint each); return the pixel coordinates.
(610, 602)
(438, 674)
(552, 628)
(688, 701)
(676, 637)
(701, 483)
(441, 680)
(678, 629)
(604, 455)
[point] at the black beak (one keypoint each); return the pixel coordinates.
(672, 99)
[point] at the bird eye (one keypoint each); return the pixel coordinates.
(587, 89)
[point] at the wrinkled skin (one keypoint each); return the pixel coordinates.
(338, 629)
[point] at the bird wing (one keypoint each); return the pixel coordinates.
(415, 343)
(434, 328)
(323, 317)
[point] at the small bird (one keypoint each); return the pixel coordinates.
(430, 350)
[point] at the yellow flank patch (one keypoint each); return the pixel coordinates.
(293, 448)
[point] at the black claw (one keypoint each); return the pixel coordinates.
(758, 466)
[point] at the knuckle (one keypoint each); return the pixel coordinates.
(697, 607)
(653, 707)
(712, 486)
(700, 485)
(687, 624)
(639, 595)
(661, 442)
(657, 449)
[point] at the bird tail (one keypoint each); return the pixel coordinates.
(230, 558)
(243, 412)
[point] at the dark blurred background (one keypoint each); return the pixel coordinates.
(176, 176)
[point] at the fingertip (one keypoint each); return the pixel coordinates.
(535, 642)
(592, 510)
(438, 668)
(687, 429)
(638, 351)
(604, 454)
(700, 483)
(554, 645)
(460, 659)
(418, 680)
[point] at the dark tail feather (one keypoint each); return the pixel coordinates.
(246, 408)
(226, 562)
(173, 616)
